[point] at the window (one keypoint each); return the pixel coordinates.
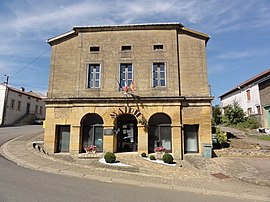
(19, 105)
(94, 49)
(36, 110)
(159, 132)
(62, 138)
(159, 75)
(158, 47)
(126, 48)
(258, 109)
(248, 95)
(12, 104)
(249, 111)
(94, 76)
(125, 74)
(40, 110)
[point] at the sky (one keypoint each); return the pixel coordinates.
(239, 30)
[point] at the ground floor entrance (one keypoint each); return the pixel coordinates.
(127, 133)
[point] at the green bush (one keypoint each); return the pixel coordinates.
(152, 157)
(233, 114)
(221, 137)
(167, 158)
(250, 122)
(110, 157)
(143, 155)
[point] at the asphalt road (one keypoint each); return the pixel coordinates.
(21, 184)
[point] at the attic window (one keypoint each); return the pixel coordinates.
(94, 49)
(126, 48)
(158, 47)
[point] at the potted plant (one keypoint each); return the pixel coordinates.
(90, 149)
(160, 151)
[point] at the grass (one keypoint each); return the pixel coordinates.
(264, 137)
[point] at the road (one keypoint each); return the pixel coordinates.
(25, 185)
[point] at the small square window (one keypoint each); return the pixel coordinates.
(126, 48)
(158, 47)
(94, 49)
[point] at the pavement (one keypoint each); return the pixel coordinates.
(206, 177)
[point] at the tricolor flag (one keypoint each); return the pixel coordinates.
(132, 86)
(126, 87)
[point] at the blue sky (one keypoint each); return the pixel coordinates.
(239, 29)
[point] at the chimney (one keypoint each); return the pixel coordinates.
(22, 89)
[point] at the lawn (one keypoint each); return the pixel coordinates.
(264, 137)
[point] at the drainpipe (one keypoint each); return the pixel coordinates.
(179, 91)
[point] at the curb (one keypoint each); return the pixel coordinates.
(8, 155)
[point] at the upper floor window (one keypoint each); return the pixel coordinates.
(94, 49)
(125, 74)
(158, 47)
(19, 106)
(94, 76)
(159, 74)
(248, 95)
(126, 48)
(12, 104)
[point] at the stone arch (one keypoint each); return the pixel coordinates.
(92, 131)
(159, 132)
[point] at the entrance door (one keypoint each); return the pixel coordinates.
(191, 138)
(63, 137)
(127, 133)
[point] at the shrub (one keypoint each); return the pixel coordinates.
(143, 155)
(250, 122)
(152, 157)
(233, 114)
(167, 158)
(221, 137)
(110, 157)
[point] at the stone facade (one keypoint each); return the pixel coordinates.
(183, 100)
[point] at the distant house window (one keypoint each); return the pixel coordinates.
(29, 97)
(36, 110)
(158, 47)
(40, 110)
(94, 76)
(248, 95)
(258, 109)
(19, 106)
(249, 111)
(159, 75)
(12, 104)
(94, 49)
(126, 48)
(126, 74)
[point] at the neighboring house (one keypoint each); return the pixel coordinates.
(16, 104)
(253, 97)
(163, 68)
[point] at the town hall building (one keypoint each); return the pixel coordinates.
(128, 88)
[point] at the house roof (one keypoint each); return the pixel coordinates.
(263, 75)
(30, 93)
(145, 26)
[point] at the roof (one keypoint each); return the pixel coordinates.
(30, 93)
(258, 78)
(144, 26)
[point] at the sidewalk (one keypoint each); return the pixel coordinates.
(182, 177)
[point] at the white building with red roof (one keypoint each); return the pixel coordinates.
(253, 96)
(16, 104)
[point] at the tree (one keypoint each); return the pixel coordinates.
(216, 114)
(233, 114)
